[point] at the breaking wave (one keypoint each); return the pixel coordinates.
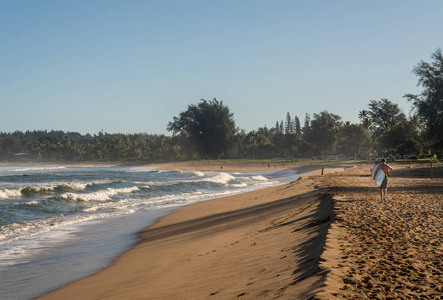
(42, 190)
(102, 195)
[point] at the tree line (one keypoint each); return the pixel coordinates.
(207, 130)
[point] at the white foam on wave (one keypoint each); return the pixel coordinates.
(259, 178)
(139, 169)
(42, 168)
(238, 185)
(21, 241)
(15, 231)
(34, 190)
(102, 195)
(75, 185)
(220, 178)
(12, 193)
(133, 205)
(113, 206)
(169, 171)
(33, 202)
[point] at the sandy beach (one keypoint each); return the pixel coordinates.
(232, 165)
(388, 249)
(322, 236)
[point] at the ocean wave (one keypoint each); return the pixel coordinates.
(102, 195)
(198, 173)
(41, 190)
(195, 173)
(73, 186)
(139, 169)
(238, 185)
(122, 205)
(33, 202)
(12, 193)
(259, 178)
(170, 171)
(46, 168)
(223, 179)
(15, 231)
(220, 178)
(131, 204)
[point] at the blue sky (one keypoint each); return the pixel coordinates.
(131, 66)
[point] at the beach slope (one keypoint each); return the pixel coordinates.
(321, 237)
(262, 244)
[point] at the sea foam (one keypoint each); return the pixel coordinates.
(41, 190)
(5, 194)
(102, 195)
(220, 178)
(259, 178)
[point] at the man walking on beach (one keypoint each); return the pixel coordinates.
(384, 186)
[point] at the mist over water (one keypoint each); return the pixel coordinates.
(78, 218)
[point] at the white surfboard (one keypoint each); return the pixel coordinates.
(379, 176)
(373, 170)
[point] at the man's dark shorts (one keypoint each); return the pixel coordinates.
(384, 184)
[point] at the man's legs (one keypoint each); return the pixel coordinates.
(384, 188)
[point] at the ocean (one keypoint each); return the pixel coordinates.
(60, 223)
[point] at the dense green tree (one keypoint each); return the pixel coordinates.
(259, 144)
(323, 133)
(163, 148)
(297, 127)
(277, 135)
(429, 103)
(402, 138)
(288, 124)
(58, 145)
(410, 147)
(306, 124)
(380, 118)
(354, 139)
(289, 138)
(209, 126)
(8, 146)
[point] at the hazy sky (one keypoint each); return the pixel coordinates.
(131, 66)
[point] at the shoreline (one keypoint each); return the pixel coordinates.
(205, 165)
(328, 237)
(224, 211)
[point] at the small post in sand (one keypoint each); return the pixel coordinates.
(322, 168)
